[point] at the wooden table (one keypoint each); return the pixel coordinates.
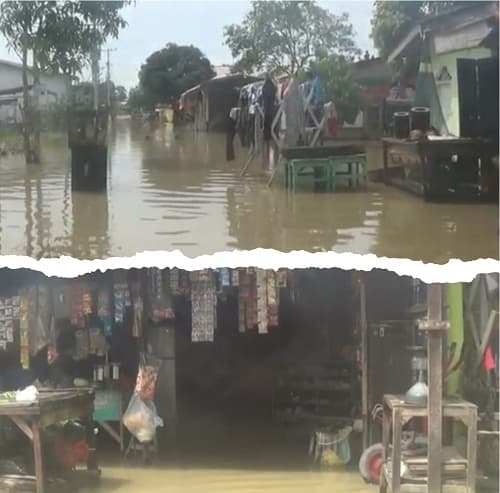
(52, 407)
(440, 168)
(396, 414)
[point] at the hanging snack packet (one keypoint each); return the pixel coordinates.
(147, 376)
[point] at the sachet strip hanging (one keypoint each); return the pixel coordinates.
(261, 285)
(203, 306)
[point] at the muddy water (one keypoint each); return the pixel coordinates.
(214, 456)
(121, 479)
(169, 191)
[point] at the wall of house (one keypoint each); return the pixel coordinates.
(448, 91)
(54, 88)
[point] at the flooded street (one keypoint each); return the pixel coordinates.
(138, 480)
(170, 191)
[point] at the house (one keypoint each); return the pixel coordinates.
(53, 90)
(208, 104)
(463, 46)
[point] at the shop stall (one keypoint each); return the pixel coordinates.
(157, 352)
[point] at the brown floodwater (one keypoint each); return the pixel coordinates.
(170, 191)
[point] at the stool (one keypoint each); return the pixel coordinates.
(295, 168)
(148, 449)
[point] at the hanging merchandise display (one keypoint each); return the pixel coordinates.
(52, 354)
(247, 300)
(8, 310)
(235, 277)
(161, 284)
(174, 280)
(87, 308)
(24, 343)
(121, 296)
(282, 278)
(61, 301)
(149, 367)
(40, 308)
(272, 299)
(76, 294)
(97, 341)
(261, 285)
(104, 310)
(203, 306)
(138, 305)
(82, 345)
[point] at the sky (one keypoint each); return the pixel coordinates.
(154, 23)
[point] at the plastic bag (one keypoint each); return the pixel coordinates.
(149, 367)
(141, 419)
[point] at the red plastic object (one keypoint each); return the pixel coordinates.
(374, 467)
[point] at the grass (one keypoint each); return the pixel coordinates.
(12, 140)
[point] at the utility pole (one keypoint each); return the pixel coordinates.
(108, 76)
(95, 76)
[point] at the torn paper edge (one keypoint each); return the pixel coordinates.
(67, 267)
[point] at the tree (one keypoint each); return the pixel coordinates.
(136, 99)
(340, 87)
(120, 94)
(60, 37)
(391, 20)
(168, 72)
(287, 35)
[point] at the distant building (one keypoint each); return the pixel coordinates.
(53, 90)
(208, 104)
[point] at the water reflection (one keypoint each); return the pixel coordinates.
(174, 190)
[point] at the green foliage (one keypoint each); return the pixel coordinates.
(392, 20)
(136, 98)
(287, 35)
(339, 85)
(60, 35)
(120, 94)
(168, 72)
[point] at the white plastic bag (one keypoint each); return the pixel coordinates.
(141, 419)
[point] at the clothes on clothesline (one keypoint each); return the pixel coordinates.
(293, 108)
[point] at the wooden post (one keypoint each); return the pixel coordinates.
(434, 326)
(37, 452)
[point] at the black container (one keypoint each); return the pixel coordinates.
(89, 167)
(401, 125)
(420, 118)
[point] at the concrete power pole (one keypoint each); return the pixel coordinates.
(95, 75)
(108, 77)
